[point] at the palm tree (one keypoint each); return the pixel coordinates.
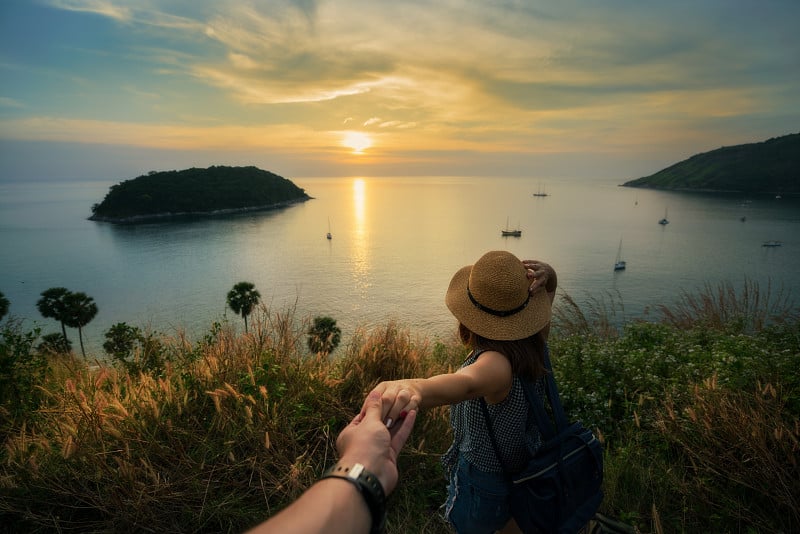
(52, 305)
(242, 299)
(80, 310)
(324, 335)
(4, 304)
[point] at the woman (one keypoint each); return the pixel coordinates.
(505, 320)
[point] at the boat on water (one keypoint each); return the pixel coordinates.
(329, 235)
(541, 192)
(509, 232)
(772, 243)
(664, 221)
(620, 264)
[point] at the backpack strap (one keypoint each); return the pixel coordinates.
(536, 407)
(536, 402)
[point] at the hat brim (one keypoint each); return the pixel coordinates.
(520, 325)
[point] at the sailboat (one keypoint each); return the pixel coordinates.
(328, 235)
(619, 265)
(540, 192)
(512, 233)
(664, 221)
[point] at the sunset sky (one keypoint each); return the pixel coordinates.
(105, 89)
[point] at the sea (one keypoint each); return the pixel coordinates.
(395, 243)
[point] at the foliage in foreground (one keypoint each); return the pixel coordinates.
(216, 438)
(700, 411)
(700, 423)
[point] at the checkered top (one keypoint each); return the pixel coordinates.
(471, 436)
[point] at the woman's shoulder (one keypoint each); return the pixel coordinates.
(490, 359)
(487, 354)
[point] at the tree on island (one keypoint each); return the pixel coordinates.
(242, 299)
(196, 192)
(80, 310)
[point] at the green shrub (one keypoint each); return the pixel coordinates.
(54, 343)
(22, 370)
(700, 424)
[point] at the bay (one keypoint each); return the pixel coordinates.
(395, 244)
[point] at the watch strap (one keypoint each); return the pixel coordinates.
(368, 485)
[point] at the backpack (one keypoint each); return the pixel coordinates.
(560, 487)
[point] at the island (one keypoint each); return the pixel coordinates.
(769, 167)
(195, 192)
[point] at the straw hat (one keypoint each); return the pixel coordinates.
(491, 298)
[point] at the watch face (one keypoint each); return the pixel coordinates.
(356, 471)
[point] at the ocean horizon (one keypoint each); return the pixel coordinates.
(395, 244)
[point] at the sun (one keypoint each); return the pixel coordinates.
(358, 141)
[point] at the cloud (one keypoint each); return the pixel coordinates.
(257, 90)
(6, 102)
(173, 136)
(242, 61)
(397, 124)
(105, 8)
(501, 77)
(139, 13)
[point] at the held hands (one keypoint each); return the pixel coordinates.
(369, 441)
(398, 398)
(324, 507)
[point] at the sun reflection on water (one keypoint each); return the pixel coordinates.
(360, 257)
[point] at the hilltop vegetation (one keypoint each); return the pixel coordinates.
(699, 413)
(196, 192)
(772, 166)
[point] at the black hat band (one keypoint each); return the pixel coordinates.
(498, 313)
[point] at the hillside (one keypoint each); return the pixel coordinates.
(772, 166)
(195, 192)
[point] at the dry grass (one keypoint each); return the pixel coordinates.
(743, 451)
(228, 432)
(750, 308)
(602, 318)
(208, 444)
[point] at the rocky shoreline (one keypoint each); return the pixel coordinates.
(709, 190)
(151, 217)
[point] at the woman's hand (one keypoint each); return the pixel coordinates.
(398, 398)
(368, 441)
(541, 274)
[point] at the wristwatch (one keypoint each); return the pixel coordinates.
(370, 488)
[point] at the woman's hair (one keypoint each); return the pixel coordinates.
(526, 355)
